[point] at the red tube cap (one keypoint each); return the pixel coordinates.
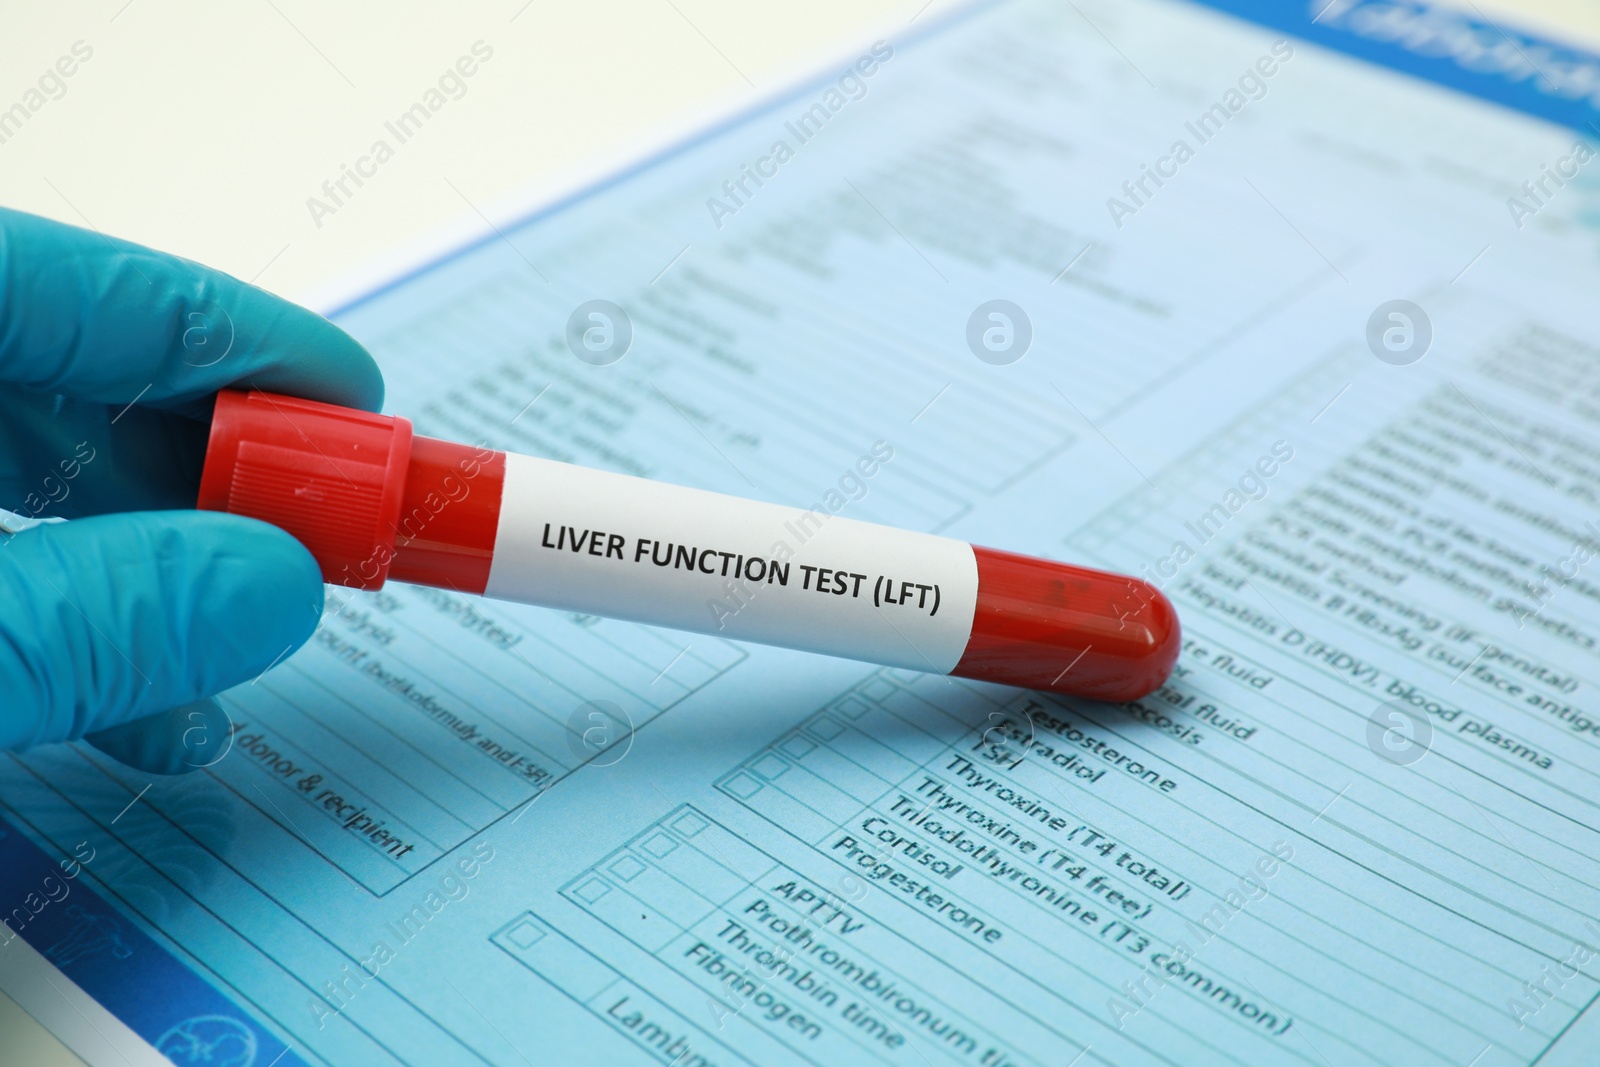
(1065, 629)
(331, 476)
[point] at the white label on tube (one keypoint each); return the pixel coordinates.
(607, 544)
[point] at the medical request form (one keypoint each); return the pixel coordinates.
(1287, 308)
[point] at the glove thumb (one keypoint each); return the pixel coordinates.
(179, 741)
(119, 617)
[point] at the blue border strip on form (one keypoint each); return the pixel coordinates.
(165, 1001)
(1488, 60)
(134, 977)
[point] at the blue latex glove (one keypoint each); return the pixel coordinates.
(119, 624)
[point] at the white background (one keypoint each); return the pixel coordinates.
(203, 128)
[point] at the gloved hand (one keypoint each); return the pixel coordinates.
(119, 624)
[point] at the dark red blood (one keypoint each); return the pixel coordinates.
(1065, 629)
(449, 514)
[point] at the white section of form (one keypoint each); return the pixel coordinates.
(92, 1034)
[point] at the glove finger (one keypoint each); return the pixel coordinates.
(68, 458)
(117, 617)
(103, 320)
(179, 741)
